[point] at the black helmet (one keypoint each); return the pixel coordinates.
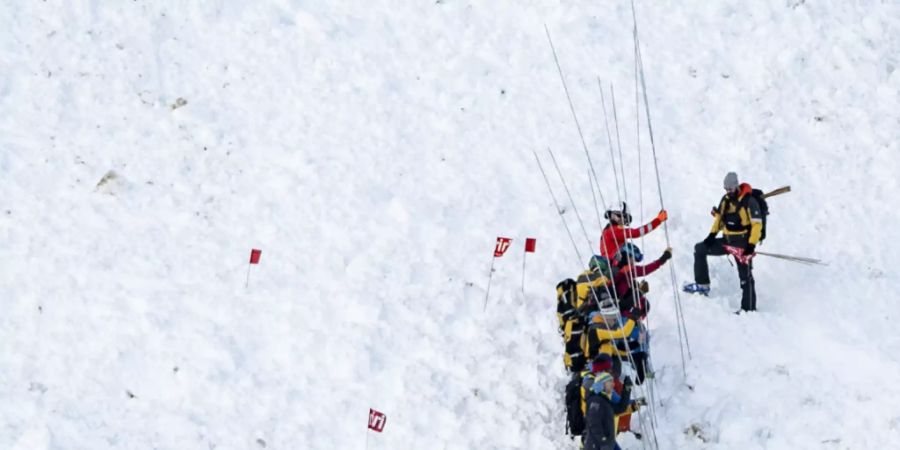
(621, 212)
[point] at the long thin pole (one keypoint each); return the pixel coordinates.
(572, 108)
(654, 421)
(594, 195)
(556, 204)
(593, 172)
(524, 257)
(623, 197)
(798, 259)
(247, 283)
(490, 277)
(682, 326)
(612, 94)
(612, 158)
(571, 199)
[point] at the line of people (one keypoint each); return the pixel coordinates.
(602, 311)
(601, 317)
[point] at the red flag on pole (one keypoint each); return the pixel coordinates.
(502, 246)
(254, 256)
(376, 420)
(529, 244)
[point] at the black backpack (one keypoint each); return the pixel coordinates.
(574, 416)
(763, 209)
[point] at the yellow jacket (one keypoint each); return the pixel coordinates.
(739, 217)
(599, 338)
(587, 282)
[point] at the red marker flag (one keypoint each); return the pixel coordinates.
(499, 249)
(376, 420)
(529, 244)
(502, 246)
(254, 256)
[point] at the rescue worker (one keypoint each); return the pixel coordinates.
(739, 218)
(599, 417)
(628, 291)
(571, 325)
(616, 232)
(604, 328)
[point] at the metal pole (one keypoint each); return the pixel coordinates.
(490, 277)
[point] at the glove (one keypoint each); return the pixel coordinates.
(627, 382)
(662, 216)
(710, 240)
(667, 255)
(749, 249)
(714, 211)
(644, 287)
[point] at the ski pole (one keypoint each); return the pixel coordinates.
(798, 259)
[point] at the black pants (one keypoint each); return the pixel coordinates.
(745, 271)
(640, 366)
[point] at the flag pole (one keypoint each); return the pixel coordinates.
(490, 277)
(524, 257)
(247, 283)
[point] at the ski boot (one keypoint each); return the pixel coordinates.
(695, 288)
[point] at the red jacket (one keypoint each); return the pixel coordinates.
(615, 235)
(624, 278)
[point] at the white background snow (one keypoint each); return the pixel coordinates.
(374, 150)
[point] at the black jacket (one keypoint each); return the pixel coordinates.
(599, 423)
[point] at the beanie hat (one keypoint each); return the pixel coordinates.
(731, 181)
(601, 363)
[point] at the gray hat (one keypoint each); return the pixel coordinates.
(731, 181)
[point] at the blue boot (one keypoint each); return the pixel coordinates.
(695, 288)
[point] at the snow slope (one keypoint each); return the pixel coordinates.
(374, 150)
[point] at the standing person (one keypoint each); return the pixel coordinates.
(616, 232)
(740, 220)
(599, 417)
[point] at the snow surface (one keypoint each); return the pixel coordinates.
(373, 150)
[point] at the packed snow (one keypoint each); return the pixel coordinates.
(373, 150)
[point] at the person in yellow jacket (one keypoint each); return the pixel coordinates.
(740, 220)
(576, 299)
(605, 327)
(571, 324)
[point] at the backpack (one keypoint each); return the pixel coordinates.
(574, 416)
(565, 301)
(763, 209)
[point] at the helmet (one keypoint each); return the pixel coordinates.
(621, 212)
(609, 310)
(629, 250)
(600, 264)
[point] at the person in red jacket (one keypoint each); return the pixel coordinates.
(617, 232)
(629, 292)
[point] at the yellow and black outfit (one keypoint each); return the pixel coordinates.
(571, 325)
(576, 299)
(740, 220)
(601, 336)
